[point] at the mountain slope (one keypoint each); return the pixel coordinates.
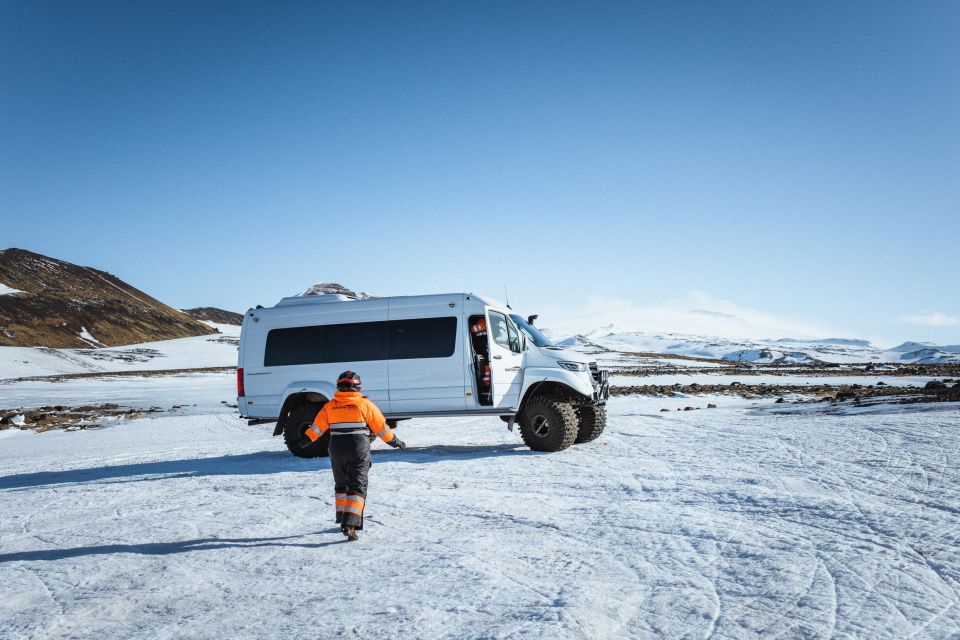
(59, 304)
(213, 314)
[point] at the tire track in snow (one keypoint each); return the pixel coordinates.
(549, 601)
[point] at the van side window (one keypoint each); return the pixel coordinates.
(422, 338)
(498, 329)
(362, 342)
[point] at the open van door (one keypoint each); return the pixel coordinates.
(506, 361)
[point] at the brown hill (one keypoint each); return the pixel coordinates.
(213, 314)
(64, 305)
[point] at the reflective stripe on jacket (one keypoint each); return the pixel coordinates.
(349, 412)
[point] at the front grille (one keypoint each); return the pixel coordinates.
(594, 371)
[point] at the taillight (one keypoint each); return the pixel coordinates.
(240, 392)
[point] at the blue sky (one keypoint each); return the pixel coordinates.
(799, 161)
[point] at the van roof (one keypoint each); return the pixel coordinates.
(329, 298)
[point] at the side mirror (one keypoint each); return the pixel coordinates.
(530, 319)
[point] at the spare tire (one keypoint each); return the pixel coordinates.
(593, 418)
(548, 425)
(295, 424)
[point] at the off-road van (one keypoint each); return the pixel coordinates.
(450, 355)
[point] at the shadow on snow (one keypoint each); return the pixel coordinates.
(265, 462)
(167, 548)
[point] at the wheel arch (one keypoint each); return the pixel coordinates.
(553, 390)
(318, 394)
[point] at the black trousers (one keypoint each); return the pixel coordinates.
(350, 461)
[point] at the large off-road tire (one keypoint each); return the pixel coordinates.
(548, 425)
(592, 421)
(295, 425)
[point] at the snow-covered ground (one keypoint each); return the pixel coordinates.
(194, 392)
(730, 522)
(184, 353)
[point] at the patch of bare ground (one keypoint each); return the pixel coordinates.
(68, 418)
(934, 391)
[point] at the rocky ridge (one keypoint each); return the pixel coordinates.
(215, 315)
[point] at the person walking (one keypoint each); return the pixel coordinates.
(351, 417)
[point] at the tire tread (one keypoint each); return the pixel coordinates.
(592, 422)
(564, 416)
(292, 433)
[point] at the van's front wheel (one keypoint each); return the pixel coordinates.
(548, 425)
(295, 425)
(593, 419)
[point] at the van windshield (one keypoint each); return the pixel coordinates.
(532, 332)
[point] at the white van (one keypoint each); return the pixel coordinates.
(455, 354)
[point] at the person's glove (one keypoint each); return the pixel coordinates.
(304, 442)
(397, 443)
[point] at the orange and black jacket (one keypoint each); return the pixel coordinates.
(349, 412)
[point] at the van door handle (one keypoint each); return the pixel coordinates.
(497, 357)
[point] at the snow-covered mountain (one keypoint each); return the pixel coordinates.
(782, 351)
(324, 288)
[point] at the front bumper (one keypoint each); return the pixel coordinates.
(601, 384)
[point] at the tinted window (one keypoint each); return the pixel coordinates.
(354, 342)
(422, 338)
(362, 341)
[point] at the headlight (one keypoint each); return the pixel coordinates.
(572, 366)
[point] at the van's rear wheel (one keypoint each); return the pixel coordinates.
(295, 425)
(548, 425)
(592, 421)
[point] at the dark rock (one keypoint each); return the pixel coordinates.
(662, 410)
(711, 406)
(780, 401)
(688, 408)
(934, 385)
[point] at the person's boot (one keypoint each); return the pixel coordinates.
(350, 532)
